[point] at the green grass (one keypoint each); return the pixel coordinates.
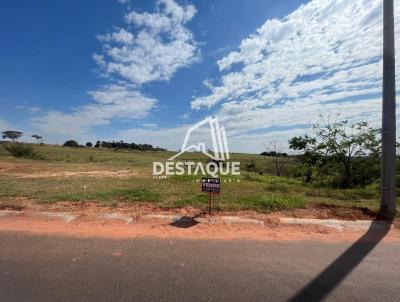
(123, 195)
(279, 202)
(258, 190)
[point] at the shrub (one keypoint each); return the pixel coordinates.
(71, 143)
(21, 150)
(251, 166)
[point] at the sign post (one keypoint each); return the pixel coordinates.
(210, 186)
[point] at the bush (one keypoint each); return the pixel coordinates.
(71, 143)
(251, 166)
(21, 150)
(89, 144)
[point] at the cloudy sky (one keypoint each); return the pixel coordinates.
(144, 71)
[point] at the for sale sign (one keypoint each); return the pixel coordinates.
(212, 185)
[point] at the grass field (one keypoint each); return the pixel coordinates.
(89, 174)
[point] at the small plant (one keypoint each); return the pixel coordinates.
(21, 150)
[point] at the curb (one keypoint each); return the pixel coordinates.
(67, 217)
(117, 216)
(359, 225)
(8, 213)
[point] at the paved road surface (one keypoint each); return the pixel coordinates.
(50, 268)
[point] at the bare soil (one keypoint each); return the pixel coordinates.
(90, 208)
(91, 227)
(90, 223)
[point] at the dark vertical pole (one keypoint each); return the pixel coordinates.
(388, 172)
(209, 202)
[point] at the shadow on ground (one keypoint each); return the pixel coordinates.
(320, 287)
(186, 221)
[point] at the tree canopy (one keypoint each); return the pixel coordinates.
(71, 143)
(349, 152)
(12, 134)
(37, 137)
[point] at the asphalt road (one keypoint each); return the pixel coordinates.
(50, 268)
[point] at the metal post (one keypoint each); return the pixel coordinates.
(388, 168)
(209, 202)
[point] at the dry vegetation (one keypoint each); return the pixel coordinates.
(115, 177)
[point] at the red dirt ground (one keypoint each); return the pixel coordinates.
(95, 227)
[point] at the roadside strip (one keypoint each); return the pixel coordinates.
(357, 225)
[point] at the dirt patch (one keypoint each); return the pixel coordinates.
(325, 211)
(12, 207)
(6, 167)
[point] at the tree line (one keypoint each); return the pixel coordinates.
(15, 135)
(116, 145)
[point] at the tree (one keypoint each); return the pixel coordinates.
(351, 151)
(279, 159)
(308, 159)
(11, 134)
(89, 144)
(38, 137)
(71, 143)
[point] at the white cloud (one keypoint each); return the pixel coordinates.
(29, 109)
(152, 47)
(161, 45)
(325, 57)
(121, 36)
(110, 102)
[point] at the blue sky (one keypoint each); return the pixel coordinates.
(144, 71)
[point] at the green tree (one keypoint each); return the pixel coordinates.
(11, 134)
(71, 143)
(89, 144)
(351, 151)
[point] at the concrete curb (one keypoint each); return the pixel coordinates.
(210, 220)
(67, 217)
(8, 213)
(117, 216)
(359, 225)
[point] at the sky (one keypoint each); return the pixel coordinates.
(144, 71)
